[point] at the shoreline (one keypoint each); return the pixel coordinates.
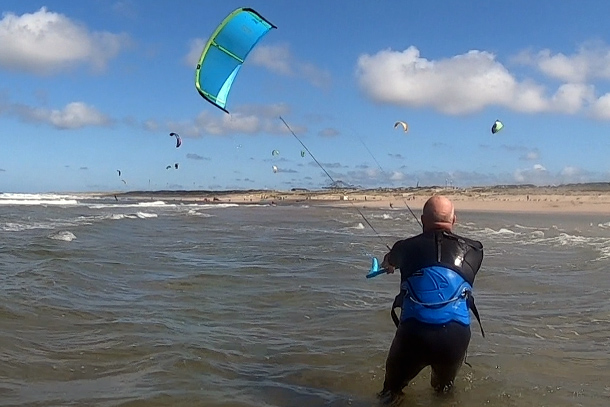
(495, 199)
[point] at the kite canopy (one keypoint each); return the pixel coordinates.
(497, 126)
(178, 139)
(274, 168)
(403, 125)
(226, 51)
(275, 152)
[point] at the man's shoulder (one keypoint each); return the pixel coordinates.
(407, 241)
(470, 242)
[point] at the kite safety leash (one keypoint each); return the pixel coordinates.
(334, 182)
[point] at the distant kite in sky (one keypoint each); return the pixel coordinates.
(274, 169)
(119, 171)
(226, 51)
(275, 152)
(403, 125)
(178, 139)
(497, 126)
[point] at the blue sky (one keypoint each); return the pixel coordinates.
(89, 88)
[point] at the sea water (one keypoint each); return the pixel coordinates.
(169, 303)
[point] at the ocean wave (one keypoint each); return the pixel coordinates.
(18, 227)
(64, 235)
(145, 215)
(501, 231)
(32, 202)
(37, 199)
(153, 204)
(193, 212)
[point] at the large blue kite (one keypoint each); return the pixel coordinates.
(226, 51)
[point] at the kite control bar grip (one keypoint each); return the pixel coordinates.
(375, 270)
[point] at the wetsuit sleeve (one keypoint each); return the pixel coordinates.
(394, 256)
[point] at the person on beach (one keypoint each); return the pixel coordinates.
(437, 271)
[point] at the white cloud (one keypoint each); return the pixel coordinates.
(571, 97)
(44, 42)
(397, 176)
(328, 132)
(601, 107)
(539, 175)
(195, 49)
(244, 120)
(539, 167)
(531, 155)
(592, 60)
(75, 115)
(275, 58)
(462, 84)
(279, 59)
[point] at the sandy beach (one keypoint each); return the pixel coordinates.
(579, 198)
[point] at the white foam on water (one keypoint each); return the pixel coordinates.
(63, 235)
(37, 199)
(146, 215)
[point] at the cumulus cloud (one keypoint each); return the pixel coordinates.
(571, 97)
(279, 59)
(601, 108)
(45, 42)
(462, 84)
(74, 116)
(590, 61)
(470, 82)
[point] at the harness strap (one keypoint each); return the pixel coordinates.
(397, 304)
(475, 311)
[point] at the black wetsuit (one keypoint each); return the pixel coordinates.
(419, 344)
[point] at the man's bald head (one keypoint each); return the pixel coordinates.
(438, 214)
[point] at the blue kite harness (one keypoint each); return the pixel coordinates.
(436, 295)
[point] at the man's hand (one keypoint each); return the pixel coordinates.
(386, 265)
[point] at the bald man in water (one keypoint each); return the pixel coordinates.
(437, 271)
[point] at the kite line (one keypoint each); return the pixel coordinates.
(382, 170)
(333, 181)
